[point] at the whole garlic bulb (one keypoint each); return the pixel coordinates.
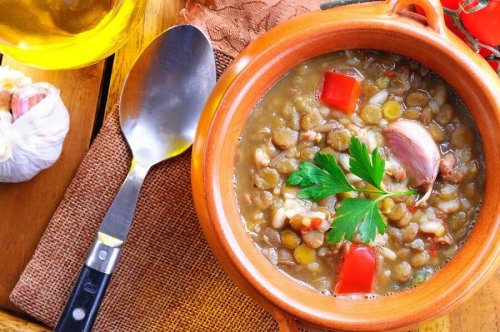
(34, 140)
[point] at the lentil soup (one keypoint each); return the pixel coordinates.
(389, 99)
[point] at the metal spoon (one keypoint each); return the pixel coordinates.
(160, 106)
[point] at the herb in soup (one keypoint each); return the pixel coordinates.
(359, 172)
(328, 179)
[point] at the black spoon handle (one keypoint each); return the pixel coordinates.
(83, 304)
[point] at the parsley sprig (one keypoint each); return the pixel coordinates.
(325, 178)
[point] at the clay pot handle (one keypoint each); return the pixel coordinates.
(432, 8)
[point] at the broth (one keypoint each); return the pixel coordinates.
(290, 124)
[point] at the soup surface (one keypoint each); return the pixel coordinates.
(295, 120)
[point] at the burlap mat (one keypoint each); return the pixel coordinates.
(167, 278)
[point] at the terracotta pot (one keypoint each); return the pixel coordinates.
(379, 26)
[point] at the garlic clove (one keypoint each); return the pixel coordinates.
(25, 98)
(413, 145)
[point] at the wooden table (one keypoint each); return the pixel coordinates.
(26, 208)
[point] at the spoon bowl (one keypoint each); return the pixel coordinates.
(164, 93)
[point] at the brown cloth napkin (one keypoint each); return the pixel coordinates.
(167, 278)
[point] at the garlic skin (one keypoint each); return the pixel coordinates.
(10, 80)
(413, 145)
(34, 140)
(5, 121)
(23, 100)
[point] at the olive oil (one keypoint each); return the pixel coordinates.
(57, 34)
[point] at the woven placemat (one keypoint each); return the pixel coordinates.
(167, 278)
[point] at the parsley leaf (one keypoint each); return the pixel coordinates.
(370, 170)
(351, 213)
(352, 209)
(308, 175)
(354, 214)
(328, 162)
(372, 223)
(320, 183)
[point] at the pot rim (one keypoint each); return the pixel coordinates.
(234, 87)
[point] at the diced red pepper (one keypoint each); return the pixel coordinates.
(484, 52)
(495, 64)
(316, 222)
(357, 272)
(340, 91)
(304, 229)
(413, 208)
(389, 73)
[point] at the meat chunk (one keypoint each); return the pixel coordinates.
(447, 164)
(395, 169)
(449, 170)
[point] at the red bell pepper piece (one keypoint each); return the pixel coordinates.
(413, 208)
(495, 64)
(389, 73)
(304, 229)
(316, 222)
(340, 91)
(357, 272)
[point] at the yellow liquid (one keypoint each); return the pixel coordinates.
(58, 34)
